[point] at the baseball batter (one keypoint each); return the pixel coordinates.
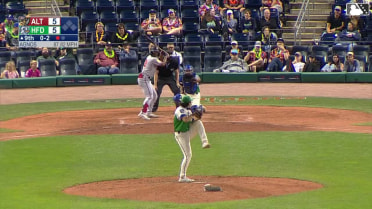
(186, 126)
(144, 81)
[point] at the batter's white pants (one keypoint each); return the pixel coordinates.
(150, 93)
(183, 139)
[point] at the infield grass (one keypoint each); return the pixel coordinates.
(33, 172)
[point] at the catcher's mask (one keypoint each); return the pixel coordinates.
(188, 68)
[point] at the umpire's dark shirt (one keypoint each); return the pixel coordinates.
(167, 70)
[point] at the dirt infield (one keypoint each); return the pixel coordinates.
(217, 119)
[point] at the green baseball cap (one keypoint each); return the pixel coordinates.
(186, 99)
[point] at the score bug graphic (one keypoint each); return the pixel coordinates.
(50, 32)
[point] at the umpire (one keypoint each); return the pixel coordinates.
(167, 75)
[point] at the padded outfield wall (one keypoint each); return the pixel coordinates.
(129, 79)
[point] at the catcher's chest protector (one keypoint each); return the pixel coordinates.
(189, 83)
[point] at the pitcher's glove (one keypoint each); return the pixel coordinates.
(197, 111)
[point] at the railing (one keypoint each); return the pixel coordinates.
(54, 8)
(300, 24)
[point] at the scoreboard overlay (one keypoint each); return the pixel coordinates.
(51, 32)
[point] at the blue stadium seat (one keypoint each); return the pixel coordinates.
(193, 61)
(164, 39)
(128, 15)
(131, 26)
(111, 27)
(125, 5)
(24, 55)
(67, 66)
(128, 65)
(362, 50)
(107, 16)
(193, 39)
(47, 67)
(189, 4)
(211, 63)
(84, 5)
(214, 40)
(23, 66)
(190, 28)
(5, 56)
(242, 39)
(88, 16)
(169, 4)
(85, 58)
(190, 15)
(148, 4)
(15, 7)
(341, 50)
(191, 51)
(102, 5)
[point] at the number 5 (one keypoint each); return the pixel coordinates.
(54, 21)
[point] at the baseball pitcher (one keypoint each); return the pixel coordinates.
(186, 125)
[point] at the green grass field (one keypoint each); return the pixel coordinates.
(33, 172)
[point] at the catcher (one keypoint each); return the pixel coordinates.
(186, 125)
(189, 82)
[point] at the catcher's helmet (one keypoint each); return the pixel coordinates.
(188, 68)
(186, 99)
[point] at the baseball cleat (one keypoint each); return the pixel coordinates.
(206, 145)
(185, 180)
(143, 116)
(152, 115)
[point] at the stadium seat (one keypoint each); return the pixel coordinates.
(189, 4)
(23, 66)
(193, 61)
(193, 39)
(242, 39)
(148, 4)
(191, 51)
(327, 39)
(108, 16)
(111, 27)
(84, 5)
(164, 39)
(341, 50)
(211, 51)
(169, 4)
(67, 66)
(190, 15)
(320, 50)
(5, 56)
(2, 66)
(104, 5)
(88, 16)
(256, 4)
(212, 62)
(362, 50)
(85, 58)
(214, 40)
(125, 5)
(15, 7)
(127, 15)
(128, 65)
(131, 26)
(24, 55)
(47, 67)
(303, 49)
(190, 28)
(370, 64)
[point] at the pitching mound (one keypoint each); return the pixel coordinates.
(167, 189)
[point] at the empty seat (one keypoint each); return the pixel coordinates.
(193, 61)
(24, 55)
(108, 16)
(5, 56)
(191, 51)
(85, 58)
(47, 67)
(102, 5)
(67, 66)
(341, 50)
(128, 65)
(23, 66)
(212, 62)
(126, 15)
(84, 5)
(88, 16)
(125, 5)
(190, 28)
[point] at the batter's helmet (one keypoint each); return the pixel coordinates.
(154, 52)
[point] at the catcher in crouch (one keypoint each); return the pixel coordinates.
(186, 125)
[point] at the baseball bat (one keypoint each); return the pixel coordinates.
(155, 44)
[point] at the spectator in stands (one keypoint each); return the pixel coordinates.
(278, 57)
(334, 65)
(10, 71)
(266, 4)
(256, 58)
(210, 24)
(359, 23)
(349, 36)
(122, 35)
(207, 6)
(100, 37)
(295, 65)
(152, 25)
(277, 4)
(21, 20)
(45, 54)
(234, 5)
(248, 24)
(336, 21)
(270, 22)
(67, 54)
(126, 51)
(234, 45)
(267, 38)
(2, 35)
(11, 38)
(9, 23)
(234, 65)
(172, 24)
(312, 65)
(33, 71)
(107, 60)
(352, 64)
(173, 53)
(230, 25)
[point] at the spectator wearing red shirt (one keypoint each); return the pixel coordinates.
(278, 57)
(107, 60)
(172, 24)
(233, 4)
(33, 71)
(207, 6)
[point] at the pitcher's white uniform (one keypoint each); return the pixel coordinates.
(144, 81)
(184, 132)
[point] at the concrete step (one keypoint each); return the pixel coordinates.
(312, 5)
(310, 36)
(291, 17)
(311, 11)
(305, 29)
(308, 23)
(39, 3)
